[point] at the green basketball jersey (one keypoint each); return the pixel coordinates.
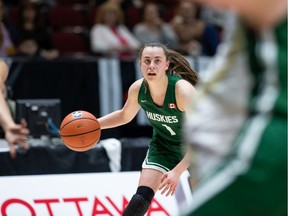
(167, 119)
(165, 149)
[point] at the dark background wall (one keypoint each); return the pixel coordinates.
(76, 83)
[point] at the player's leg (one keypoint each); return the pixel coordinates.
(148, 185)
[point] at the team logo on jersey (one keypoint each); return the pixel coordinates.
(172, 106)
(162, 118)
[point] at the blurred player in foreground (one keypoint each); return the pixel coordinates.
(15, 134)
(163, 93)
(238, 126)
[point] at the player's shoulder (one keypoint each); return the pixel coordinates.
(183, 84)
(137, 84)
(135, 87)
(183, 87)
(184, 91)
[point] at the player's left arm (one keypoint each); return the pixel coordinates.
(184, 92)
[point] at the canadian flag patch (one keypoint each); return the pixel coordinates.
(172, 106)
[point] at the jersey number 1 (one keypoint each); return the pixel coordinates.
(169, 129)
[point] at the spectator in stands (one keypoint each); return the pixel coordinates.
(15, 134)
(153, 28)
(6, 44)
(163, 93)
(109, 36)
(33, 37)
(195, 36)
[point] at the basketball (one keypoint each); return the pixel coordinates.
(80, 131)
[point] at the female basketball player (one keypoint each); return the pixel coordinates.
(163, 93)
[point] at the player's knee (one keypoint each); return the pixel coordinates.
(140, 202)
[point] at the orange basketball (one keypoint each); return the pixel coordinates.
(80, 131)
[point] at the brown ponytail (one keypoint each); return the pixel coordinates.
(178, 64)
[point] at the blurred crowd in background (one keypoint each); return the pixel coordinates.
(114, 28)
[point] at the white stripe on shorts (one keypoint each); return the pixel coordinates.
(151, 165)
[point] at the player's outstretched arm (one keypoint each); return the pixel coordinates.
(15, 134)
(127, 113)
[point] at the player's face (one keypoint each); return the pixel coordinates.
(153, 63)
